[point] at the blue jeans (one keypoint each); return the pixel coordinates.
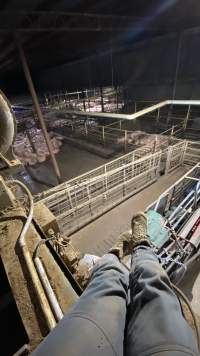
(107, 321)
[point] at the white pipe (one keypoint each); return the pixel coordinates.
(120, 116)
(136, 114)
(48, 289)
(29, 263)
(164, 194)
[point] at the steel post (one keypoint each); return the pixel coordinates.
(125, 140)
(178, 57)
(158, 117)
(186, 118)
(103, 134)
(102, 103)
(84, 106)
(37, 106)
(135, 107)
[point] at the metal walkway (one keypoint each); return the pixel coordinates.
(99, 236)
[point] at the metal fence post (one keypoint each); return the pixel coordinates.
(169, 153)
(86, 129)
(102, 102)
(103, 134)
(186, 119)
(158, 117)
(184, 151)
(125, 140)
(83, 94)
(106, 179)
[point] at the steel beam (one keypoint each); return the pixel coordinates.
(37, 107)
(45, 21)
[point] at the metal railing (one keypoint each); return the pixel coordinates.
(192, 153)
(175, 156)
(82, 200)
(179, 205)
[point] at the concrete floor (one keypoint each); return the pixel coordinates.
(97, 237)
(72, 162)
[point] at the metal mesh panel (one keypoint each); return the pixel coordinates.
(175, 156)
(78, 203)
(192, 153)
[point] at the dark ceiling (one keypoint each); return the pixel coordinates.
(56, 32)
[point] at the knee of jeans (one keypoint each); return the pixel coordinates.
(149, 268)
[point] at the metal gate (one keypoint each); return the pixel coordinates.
(192, 153)
(175, 156)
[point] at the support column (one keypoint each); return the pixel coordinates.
(135, 106)
(37, 107)
(88, 100)
(83, 93)
(125, 140)
(186, 119)
(178, 57)
(102, 104)
(157, 117)
(116, 95)
(103, 135)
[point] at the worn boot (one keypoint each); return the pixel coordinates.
(139, 231)
(132, 238)
(122, 246)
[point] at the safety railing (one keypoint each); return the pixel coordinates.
(192, 152)
(82, 199)
(79, 202)
(179, 207)
(174, 130)
(175, 156)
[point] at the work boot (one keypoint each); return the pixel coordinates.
(122, 246)
(139, 231)
(132, 238)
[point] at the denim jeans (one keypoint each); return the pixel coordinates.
(107, 320)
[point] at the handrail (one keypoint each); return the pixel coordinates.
(136, 114)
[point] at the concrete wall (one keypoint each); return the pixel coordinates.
(148, 69)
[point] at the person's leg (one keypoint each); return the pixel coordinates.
(155, 324)
(96, 323)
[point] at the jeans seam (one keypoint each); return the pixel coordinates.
(169, 348)
(86, 317)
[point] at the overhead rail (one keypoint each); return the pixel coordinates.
(136, 114)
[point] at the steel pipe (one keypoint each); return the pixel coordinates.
(136, 114)
(29, 263)
(7, 124)
(48, 289)
(37, 107)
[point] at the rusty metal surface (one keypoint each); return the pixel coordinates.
(7, 124)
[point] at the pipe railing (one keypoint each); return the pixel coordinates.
(138, 113)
